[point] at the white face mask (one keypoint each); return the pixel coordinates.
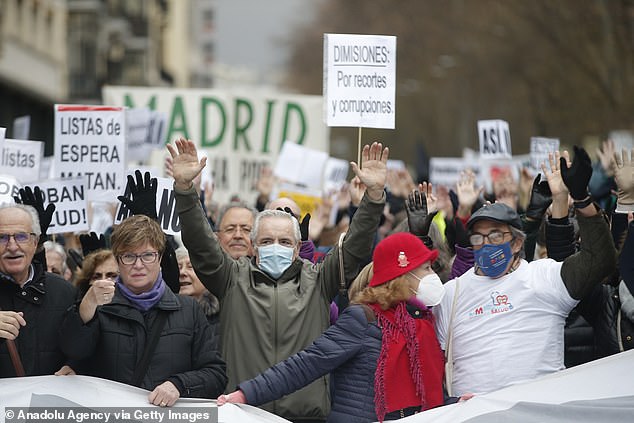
(430, 290)
(275, 259)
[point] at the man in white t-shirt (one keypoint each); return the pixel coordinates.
(505, 316)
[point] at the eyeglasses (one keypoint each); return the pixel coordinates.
(495, 237)
(109, 275)
(146, 258)
(19, 237)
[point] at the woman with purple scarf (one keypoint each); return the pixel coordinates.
(113, 326)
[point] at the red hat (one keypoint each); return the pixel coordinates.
(398, 254)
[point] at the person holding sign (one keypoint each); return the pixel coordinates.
(275, 304)
(135, 330)
(503, 319)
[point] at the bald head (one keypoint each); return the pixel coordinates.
(284, 202)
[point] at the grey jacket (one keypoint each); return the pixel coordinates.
(264, 321)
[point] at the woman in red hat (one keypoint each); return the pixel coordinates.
(383, 353)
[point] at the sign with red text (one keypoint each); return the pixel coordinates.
(90, 141)
(359, 80)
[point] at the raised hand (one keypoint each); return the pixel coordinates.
(373, 171)
(185, 163)
(419, 218)
(577, 175)
(92, 242)
(606, 156)
(143, 192)
(356, 189)
(467, 193)
(623, 166)
(540, 199)
(35, 198)
(554, 174)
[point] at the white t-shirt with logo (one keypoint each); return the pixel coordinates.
(505, 330)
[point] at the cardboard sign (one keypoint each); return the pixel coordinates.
(21, 159)
(9, 188)
(241, 130)
(71, 208)
(495, 139)
(21, 127)
(90, 141)
(540, 148)
(300, 165)
(165, 206)
(359, 80)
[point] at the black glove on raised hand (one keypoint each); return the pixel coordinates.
(92, 242)
(35, 198)
(418, 219)
(541, 199)
(143, 192)
(578, 175)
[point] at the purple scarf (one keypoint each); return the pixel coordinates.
(145, 300)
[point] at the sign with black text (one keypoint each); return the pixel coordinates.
(90, 141)
(71, 208)
(21, 158)
(495, 139)
(360, 80)
(9, 188)
(540, 148)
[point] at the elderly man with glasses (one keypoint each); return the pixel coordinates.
(32, 301)
(502, 321)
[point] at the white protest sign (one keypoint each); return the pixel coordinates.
(156, 131)
(335, 174)
(395, 164)
(165, 206)
(21, 127)
(495, 139)
(360, 80)
(46, 168)
(3, 131)
(445, 171)
(241, 130)
(90, 141)
(137, 127)
(540, 148)
(21, 159)
(71, 209)
(9, 188)
(622, 139)
(300, 165)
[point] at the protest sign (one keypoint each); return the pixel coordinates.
(90, 141)
(306, 198)
(3, 131)
(241, 131)
(165, 206)
(69, 197)
(21, 127)
(540, 148)
(445, 171)
(495, 139)
(359, 80)
(300, 165)
(137, 127)
(9, 188)
(156, 130)
(21, 159)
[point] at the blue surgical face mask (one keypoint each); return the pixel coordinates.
(275, 259)
(493, 260)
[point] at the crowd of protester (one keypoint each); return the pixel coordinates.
(411, 297)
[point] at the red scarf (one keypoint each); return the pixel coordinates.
(410, 367)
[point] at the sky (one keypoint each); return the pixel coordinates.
(249, 31)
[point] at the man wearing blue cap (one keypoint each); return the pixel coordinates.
(502, 322)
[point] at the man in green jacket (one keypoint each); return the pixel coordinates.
(275, 304)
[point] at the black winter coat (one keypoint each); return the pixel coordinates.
(112, 344)
(44, 302)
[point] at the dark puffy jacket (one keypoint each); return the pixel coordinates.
(44, 302)
(114, 340)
